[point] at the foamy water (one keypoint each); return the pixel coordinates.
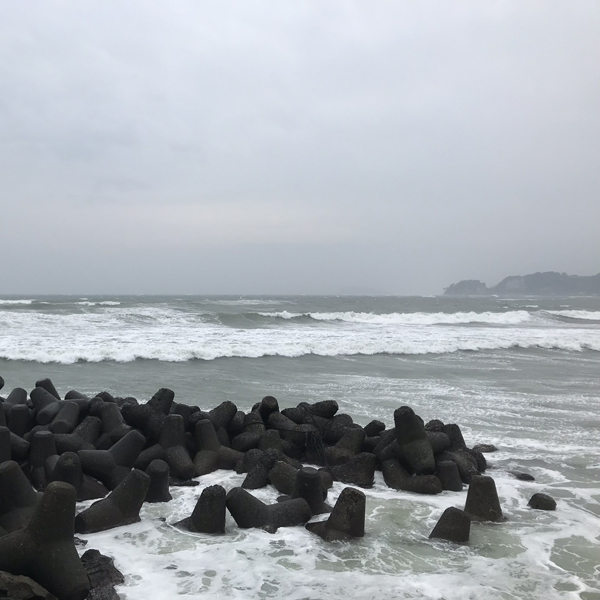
(516, 559)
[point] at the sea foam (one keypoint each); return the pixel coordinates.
(394, 560)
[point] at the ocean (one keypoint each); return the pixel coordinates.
(522, 374)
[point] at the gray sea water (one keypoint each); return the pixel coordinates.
(523, 374)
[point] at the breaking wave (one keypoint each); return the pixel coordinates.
(111, 331)
(417, 318)
(103, 303)
(585, 315)
(125, 335)
(8, 302)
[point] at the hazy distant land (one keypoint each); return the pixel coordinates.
(549, 283)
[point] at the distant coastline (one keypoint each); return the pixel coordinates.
(549, 283)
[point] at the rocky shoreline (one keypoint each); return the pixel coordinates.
(121, 452)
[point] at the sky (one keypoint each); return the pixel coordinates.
(298, 147)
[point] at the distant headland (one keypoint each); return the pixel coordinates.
(549, 283)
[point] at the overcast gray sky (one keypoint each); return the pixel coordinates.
(296, 147)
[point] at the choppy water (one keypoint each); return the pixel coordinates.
(523, 374)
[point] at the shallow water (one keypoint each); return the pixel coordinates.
(522, 374)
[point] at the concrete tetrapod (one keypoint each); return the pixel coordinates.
(212, 455)
(67, 418)
(45, 404)
(147, 455)
(125, 453)
(127, 449)
(18, 499)
(248, 511)
(150, 417)
(5, 453)
(454, 525)
(45, 549)
(42, 446)
(19, 448)
(158, 471)
(482, 500)
(447, 472)
(325, 409)
(346, 447)
(414, 444)
(99, 464)
(258, 474)
(5, 410)
(113, 425)
(397, 478)
(89, 429)
(465, 462)
(67, 468)
(222, 415)
(172, 439)
(20, 420)
(359, 470)
(439, 441)
(253, 423)
(347, 519)
(48, 386)
(120, 507)
(309, 485)
(267, 406)
(259, 464)
(283, 477)
(209, 513)
(17, 396)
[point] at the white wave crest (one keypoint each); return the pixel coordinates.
(515, 317)
(103, 303)
(17, 301)
(586, 315)
(249, 302)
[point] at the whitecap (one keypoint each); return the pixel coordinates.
(416, 318)
(586, 315)
(99, 303)
(17, 301)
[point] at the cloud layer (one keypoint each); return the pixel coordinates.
(267, 147)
